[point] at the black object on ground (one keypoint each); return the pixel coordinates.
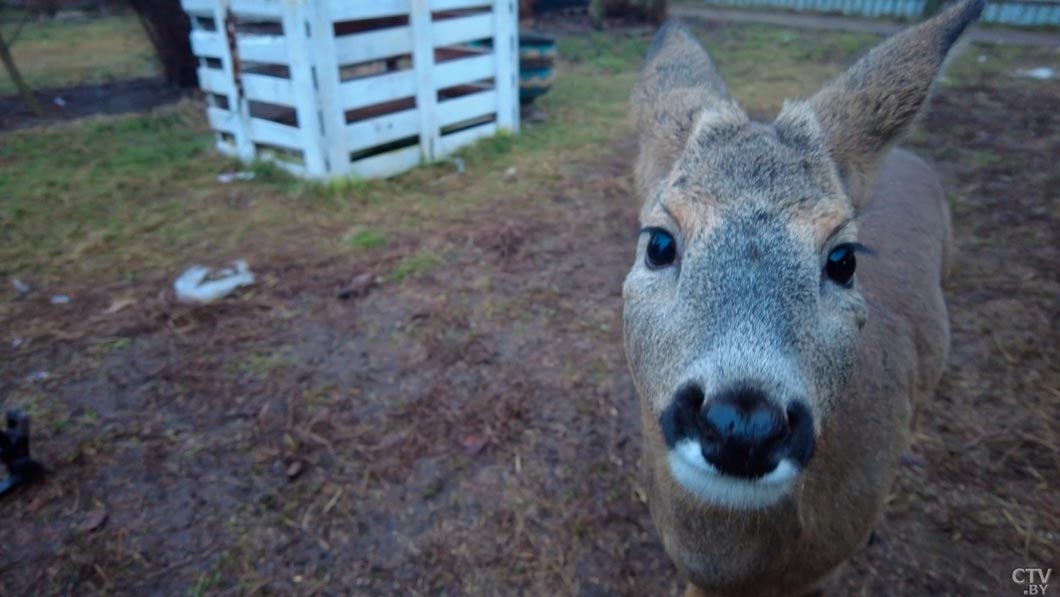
(14, 453)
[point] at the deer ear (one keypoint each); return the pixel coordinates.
(676, 83)
(864, 110)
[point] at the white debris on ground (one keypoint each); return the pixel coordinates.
(200, 284)
(60, 299)
(1042, 73)
(38, 376)
(230, 177)
(20, 286)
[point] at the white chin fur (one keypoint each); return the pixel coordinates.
(704, 481)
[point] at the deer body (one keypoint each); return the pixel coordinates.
(777, 388)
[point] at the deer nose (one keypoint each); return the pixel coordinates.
(743, 433)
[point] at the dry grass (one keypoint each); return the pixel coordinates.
(467, 427)
(66, 53)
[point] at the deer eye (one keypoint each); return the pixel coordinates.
(662, 249)
(841, 265)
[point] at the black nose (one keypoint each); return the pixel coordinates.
(740, 431)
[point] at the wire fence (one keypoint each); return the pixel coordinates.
(1018, 12)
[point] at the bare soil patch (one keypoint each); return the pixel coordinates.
(66, 103)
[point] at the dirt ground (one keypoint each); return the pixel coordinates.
(469, 427)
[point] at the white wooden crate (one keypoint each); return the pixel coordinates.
(367, 88)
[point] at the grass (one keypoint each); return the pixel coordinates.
(415, 265)
(125, 196)
(64, 53)
(126, 202)
(367, 239)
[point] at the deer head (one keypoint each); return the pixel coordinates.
(743, 308)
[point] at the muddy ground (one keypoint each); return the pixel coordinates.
(470, 427)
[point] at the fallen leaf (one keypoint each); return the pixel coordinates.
(294, 469)
(93, 521)
(473, 444)
(119, 304)
(359, 286)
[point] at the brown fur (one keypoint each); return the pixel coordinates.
(837, 144)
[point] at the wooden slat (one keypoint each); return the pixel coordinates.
(207, 44)
(274, 133)
(199, 7)
(373, 90)
(257, 8)
(214, 81)
(457, 31)
(292, 168)
(270, 49)
(227, 148)
(383, 129)
(506, 53)
(423, 70)
(458, 4)
(348, 10)
(464, 70)
(467, 107)
(389, 163)
(263, 88)
(373, 45)
(222, 120)
(450, 143)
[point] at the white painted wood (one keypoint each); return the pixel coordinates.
(466, 107)
(313, 55)
(450, 143)
(423, 68)
(206, 43)
(464, 70)
(348, 10)
(261, 8)
(274, 133)
(373, 45)
(458, 4)
(506, 55)
(368, 91)
(388, 164)
(464, 29)
(227, 148)
(222, 120)
(199, 7)
(214, 80)
(299, 23)
(383, 129)
(292, 168)
(273, 90)
(211, 101)
(238, 104)
(333, 136)
(270, 49)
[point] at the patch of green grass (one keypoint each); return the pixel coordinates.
(984, 159)
(415, 265)
(366, 239)
(62, 53)
(79, 189)
(129, 195)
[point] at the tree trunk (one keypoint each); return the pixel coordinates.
(168, 28)
(12, 70)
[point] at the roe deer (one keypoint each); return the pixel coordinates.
(776, 385)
